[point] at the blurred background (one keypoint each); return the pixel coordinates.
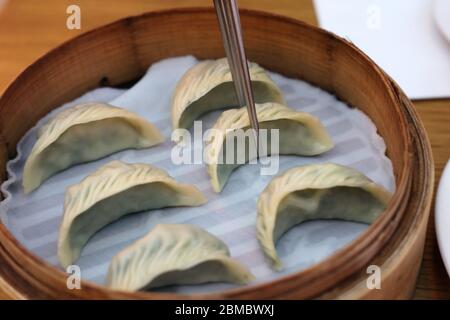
(410, 39)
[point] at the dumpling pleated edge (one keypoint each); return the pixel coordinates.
(170, 248)
(81, 114)
(235, 119)
(107, 181)
(314, 176)
(206, 75)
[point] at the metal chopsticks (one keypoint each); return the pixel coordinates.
(230, 27)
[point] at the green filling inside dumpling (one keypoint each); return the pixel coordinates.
(175, 254)
(139, 198)
(205, 272)
(224, 96)
(86, 142)
(294, 139)
(343, 203)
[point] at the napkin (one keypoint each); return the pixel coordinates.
(401, 36)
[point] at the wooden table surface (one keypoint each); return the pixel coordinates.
(28, 29)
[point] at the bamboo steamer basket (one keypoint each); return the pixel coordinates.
(122, 51)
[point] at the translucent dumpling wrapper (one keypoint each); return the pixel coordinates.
(208, 86)
(83, 133)
(175, 254)
(111, 192)
(299, 133)
(317, 191)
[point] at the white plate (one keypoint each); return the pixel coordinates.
(442, 16)
(442, 216)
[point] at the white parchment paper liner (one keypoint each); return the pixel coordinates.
(34, 219)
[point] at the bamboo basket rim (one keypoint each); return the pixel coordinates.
(390, 217)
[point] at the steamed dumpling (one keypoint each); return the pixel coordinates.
(208, 86)
(175, 254)
(317, 191)
(299, 134)
(111, 192)
(84, 133)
